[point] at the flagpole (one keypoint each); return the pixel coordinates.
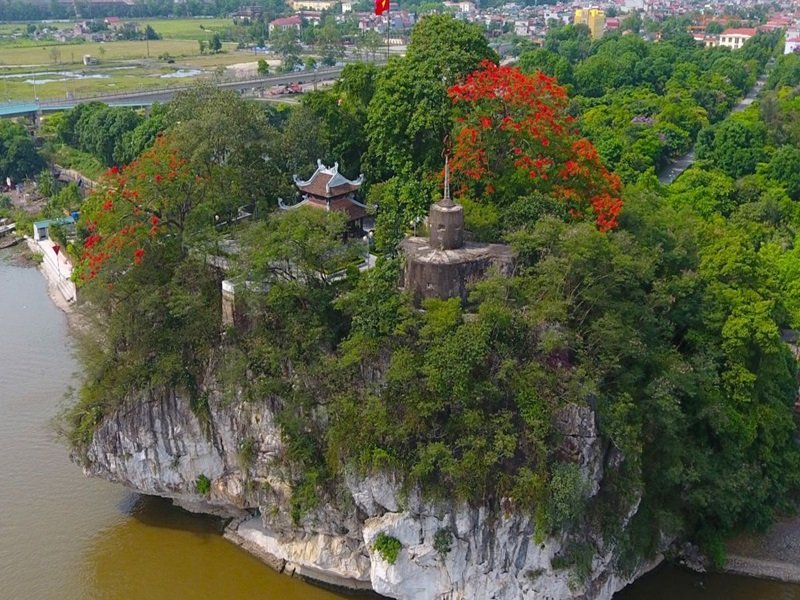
(388, 27)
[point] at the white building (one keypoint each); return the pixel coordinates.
(293, 22)
(792, 42)
(735, 38)
(465, 7)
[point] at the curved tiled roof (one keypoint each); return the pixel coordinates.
(327, 182)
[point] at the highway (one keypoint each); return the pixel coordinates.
(148, 97)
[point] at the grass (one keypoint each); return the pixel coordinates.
(82, 162)
(72, 54)
(174, 29)
(117, 75)
(186, 29)
(139, 73)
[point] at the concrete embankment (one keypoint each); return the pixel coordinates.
(57, 270)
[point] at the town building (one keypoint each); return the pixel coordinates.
(248, 12)
(284, 23)
(41, 229)
(460, 6)
(327, 189)
(298, 5)
(735, 38)
(593, 18)
(792, 44)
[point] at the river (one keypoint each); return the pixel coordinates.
(65, 537)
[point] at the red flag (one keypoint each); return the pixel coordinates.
(56, 249)
(381, 6)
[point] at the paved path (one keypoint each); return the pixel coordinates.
(679, 165)
(57, 270)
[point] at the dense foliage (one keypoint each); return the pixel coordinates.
(643, 104)
(19, 158)
(665, 318)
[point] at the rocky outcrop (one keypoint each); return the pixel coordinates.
(448, 551)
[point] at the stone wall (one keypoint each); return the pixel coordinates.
(432, 273)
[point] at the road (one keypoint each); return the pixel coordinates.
(146, 98)
(679, 165)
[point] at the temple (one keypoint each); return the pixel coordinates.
(443, 264)
(330, 190)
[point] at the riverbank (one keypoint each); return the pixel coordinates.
(57, 272)
(772, 555)
(250, 535)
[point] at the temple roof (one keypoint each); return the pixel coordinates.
(327, 182)
(354, 209)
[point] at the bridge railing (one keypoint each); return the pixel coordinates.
(219, 81)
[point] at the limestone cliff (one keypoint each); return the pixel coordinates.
(448, 550)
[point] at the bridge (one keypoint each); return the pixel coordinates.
(148, 97)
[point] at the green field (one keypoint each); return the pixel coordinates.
(175, 29)
(185, 29)
(121, 65)
(71, 54)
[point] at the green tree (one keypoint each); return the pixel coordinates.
(409, 114)
(784, 168)
(230, 142)
(140, 138)
(548, 63)
(735, 145)
(448, 47)
(329, 42)
(47, 183)
(215, 45)
(284, 42)
(19, 158)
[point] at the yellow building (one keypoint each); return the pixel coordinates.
(593, 18)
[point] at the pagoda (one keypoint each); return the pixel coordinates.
(330, 190)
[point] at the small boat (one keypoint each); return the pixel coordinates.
(7, 243)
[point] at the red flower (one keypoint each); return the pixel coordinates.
(137, 256)
(535, 144)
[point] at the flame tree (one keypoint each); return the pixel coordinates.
(513, 136)
(148, 301)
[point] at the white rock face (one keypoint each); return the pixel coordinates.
(159, 447)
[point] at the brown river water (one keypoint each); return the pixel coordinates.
(65, 537)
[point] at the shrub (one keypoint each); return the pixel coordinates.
(443, 541)
(202, 485)
(387, 546)
(247, 453)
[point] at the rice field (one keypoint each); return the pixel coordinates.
(72, 54)
(58, 70)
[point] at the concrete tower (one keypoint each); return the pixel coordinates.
(446, 219)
